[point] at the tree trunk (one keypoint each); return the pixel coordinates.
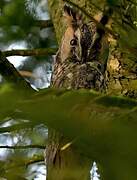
(63, 160)
(71, 74)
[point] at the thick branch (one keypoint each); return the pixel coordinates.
(30, 52)
(11, 75)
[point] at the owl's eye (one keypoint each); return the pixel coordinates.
(73, 42)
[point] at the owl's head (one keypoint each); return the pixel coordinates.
(78, 36)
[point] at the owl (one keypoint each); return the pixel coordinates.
(78, 37)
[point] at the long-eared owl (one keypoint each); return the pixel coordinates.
(78, 63)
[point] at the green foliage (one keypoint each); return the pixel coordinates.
(113, 2)
(65, 104)
(100, 126)
(15, 20)
(125, 17)
(103, 127)
(17, 162)
(19, 22)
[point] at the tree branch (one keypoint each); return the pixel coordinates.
(30, 52)
(11, 75)
(36, 159)
(38, 23)
(132, 2)
(23, 147)
(17, 127)
(43, 23)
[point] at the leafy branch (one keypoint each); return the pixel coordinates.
(107, 124)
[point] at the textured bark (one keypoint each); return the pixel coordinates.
(121, 79)
(122, 72)
(71, 74)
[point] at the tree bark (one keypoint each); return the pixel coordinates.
(70, 164)
(121, 79)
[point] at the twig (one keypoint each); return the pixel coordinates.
(23, 147)
(132, 2)
(36, 23)
(16, 127)
(34, 159)
(43, 23)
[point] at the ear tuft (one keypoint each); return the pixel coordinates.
(70, 12)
